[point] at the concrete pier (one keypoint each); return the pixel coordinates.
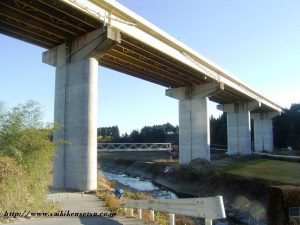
(239, 127)
(263, 130)
(194, 138)
(76, 88)
(76, 110)
(194, 128)
(239, 133)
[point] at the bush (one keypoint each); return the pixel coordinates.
(26, 153)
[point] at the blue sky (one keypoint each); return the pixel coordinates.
(255, 40)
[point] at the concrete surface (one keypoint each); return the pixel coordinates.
(194, 132)
(76, 202)
(76, 89)
(239, 133)
(263, 130)
(239, 126)
(75, 163)
(194, 128)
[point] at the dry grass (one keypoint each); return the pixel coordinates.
(17, 193)
(105, 189)
(166, 160)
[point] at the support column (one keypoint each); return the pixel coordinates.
(239, 127)
(239, 133)
(76, 88)
(263, 130)
(194, 129)
(76, 110)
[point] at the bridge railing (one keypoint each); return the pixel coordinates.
(134, 147)
(208, 208)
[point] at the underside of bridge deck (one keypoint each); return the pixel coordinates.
(49, 23)
(78, 39)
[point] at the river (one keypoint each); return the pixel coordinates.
(138, 184)
(146, 186)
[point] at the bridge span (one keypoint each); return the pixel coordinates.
(110, 147)
(82, 34)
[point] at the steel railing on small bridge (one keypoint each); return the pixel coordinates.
(110, 147)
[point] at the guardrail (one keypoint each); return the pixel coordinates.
(134, 147)
(208, 208)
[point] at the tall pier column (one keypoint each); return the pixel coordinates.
(75, 111)
(194, 130)
(239, 127)
(263, 130)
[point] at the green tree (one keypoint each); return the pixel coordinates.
(286, 128)
(112, 133)
(218, 130)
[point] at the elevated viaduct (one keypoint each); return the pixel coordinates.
(80, 35)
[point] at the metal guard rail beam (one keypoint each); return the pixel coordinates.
(208, 208)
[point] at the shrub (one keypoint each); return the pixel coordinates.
(26, 153)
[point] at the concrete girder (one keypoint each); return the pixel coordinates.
(239, 107)
(92, 45)
(200, 91)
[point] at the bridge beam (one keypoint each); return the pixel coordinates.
(194, 130)
(76, 87)
(239, 126)
(263, 130)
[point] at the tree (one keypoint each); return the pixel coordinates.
(218, 130)
(109, 133)
(287, 128)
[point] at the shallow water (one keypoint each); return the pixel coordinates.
(139, 184)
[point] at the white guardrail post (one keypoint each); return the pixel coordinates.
(139, 214)
(208, 208)
(208, 221)
(152, 216)
(171, 219)
(131, 212)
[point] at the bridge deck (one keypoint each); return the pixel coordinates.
(145, 51)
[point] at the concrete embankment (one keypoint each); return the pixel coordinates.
(245, 200)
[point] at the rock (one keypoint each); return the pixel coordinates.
(200, 164)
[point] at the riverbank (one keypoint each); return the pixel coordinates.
(244, 182)
(245, 199)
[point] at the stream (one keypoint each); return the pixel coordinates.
(138, 184)
(143, 185)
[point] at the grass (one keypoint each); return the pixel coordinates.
(274, 171)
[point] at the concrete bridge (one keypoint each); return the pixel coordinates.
(83, 34)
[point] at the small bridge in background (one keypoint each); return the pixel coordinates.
(115, 147)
